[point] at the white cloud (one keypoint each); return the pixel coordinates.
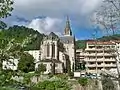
(54, 11)
(53, 8)
(46, 25)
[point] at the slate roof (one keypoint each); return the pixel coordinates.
(49, 60)
(67, 39)
(53, 36)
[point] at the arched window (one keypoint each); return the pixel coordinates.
(48, 50)
(53, 50)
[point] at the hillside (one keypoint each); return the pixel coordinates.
(20, 33)
(81, 44)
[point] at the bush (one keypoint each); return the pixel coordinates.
(50, 75)
(53, 85)
(62, 76)
(83, 81)
(71, 75)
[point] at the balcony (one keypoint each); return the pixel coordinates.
(112, 60)
(100, 54)
(101, 65)
(99, 49)
(94, 60)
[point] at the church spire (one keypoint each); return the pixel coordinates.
(67, 31)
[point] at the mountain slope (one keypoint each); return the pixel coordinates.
(81, 44)
(20, 33)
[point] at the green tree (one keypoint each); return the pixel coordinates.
(41, 68)
(53, 85)
(5, 8)
(26, 63)
(83, 82)
(2, 25)
(5, 11)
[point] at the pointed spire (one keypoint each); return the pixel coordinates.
(67, 30)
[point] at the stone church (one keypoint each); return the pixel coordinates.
(58, 50)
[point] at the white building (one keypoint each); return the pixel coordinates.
(99, 56)
(58, 50)
(12, 64)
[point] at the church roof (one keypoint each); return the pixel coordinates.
(67, 30)
(49, 60)
(53, 36)
(67, 39)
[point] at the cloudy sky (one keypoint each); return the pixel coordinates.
(50, 15)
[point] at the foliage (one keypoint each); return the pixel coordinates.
(80, 44)
(62, 76)
(19, 33)
(41, 68)
(83, 81)
(53, 85)
(2, 25)
(26, 63)
(107, 16)
(108, 38)
(107, 83)
(27, 79)
(5, 8)
(7, 88)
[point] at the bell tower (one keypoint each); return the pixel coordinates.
(67, 30)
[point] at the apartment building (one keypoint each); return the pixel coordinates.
(99, 56)
(80, 55)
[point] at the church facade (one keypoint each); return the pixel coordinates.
(58, 51)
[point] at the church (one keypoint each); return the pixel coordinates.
(54, 50)
(58, 51)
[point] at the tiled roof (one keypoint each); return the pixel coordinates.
(101, 42)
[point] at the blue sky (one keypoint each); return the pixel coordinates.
(50, 15)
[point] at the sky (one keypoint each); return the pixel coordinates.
(48, 16)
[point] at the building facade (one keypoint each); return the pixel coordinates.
(100, 56)
(58, 50)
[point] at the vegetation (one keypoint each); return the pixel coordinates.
(108, 38)
(83, 82)
(19, 33)
(41, 68)
(53, 85)
(80, 44)
(107, 83)
(26, 63)
(5, 8)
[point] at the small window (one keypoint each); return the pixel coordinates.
(56, 65)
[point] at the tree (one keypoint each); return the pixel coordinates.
(107, 16)
(41, 68)
(5, 8)
(83, 82)
(2, 25)
(5, 11)
(26, 63)
(53, 85)
(107, 83)
(13, 50)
